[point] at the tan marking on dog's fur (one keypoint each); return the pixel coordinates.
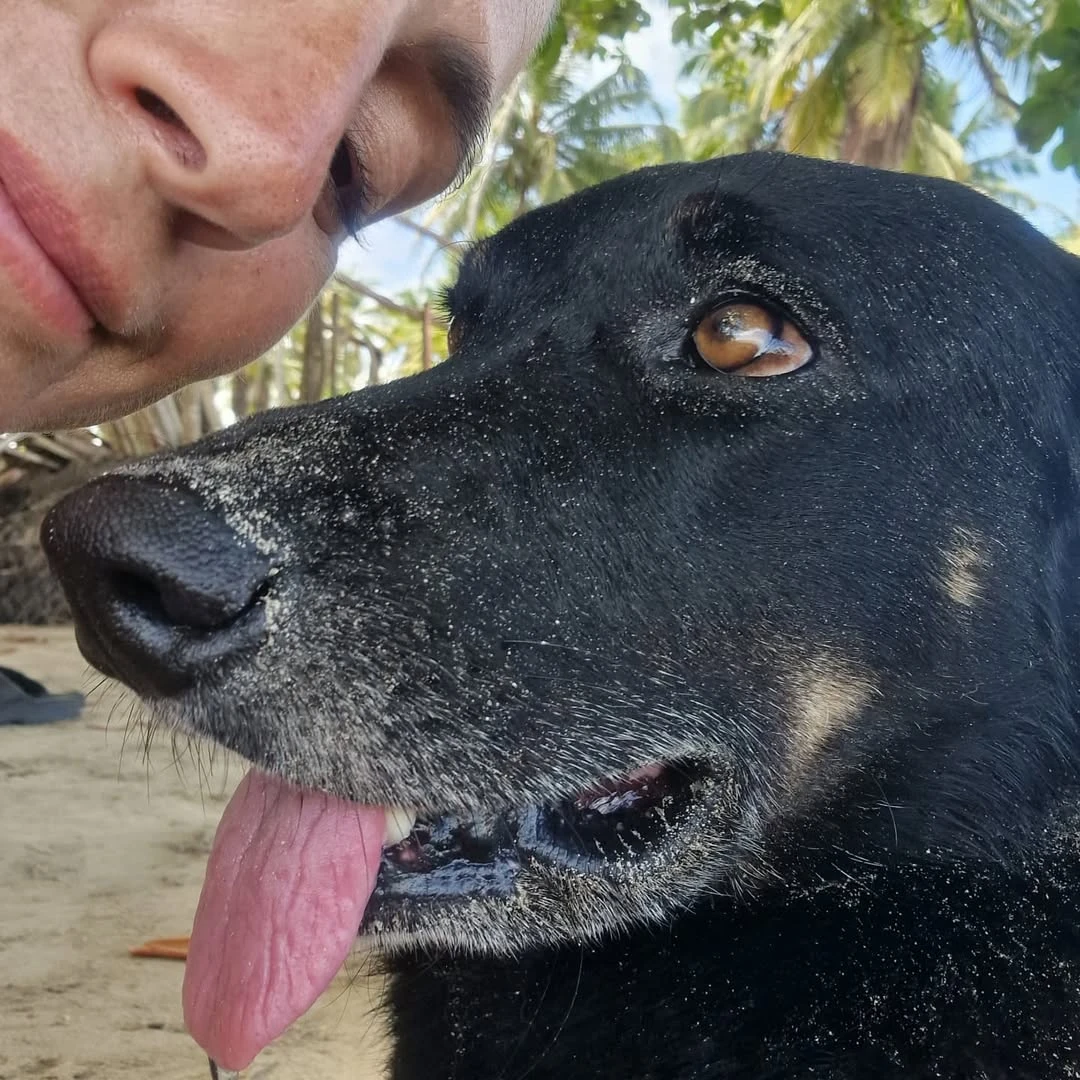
(827, 697)
(964, 568)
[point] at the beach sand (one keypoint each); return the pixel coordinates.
(102, 849)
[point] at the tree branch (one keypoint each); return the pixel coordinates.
(427, 233)
(383, 301)
(989, 73)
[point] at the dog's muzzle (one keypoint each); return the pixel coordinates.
(160, 587)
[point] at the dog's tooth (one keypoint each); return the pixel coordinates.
(399, 823)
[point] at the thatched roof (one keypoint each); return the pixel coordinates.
(24, 456)
(35, 471)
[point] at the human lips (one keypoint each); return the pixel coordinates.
(42, 252)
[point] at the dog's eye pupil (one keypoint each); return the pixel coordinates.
(744, 338)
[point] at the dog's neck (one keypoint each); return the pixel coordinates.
(883, 972)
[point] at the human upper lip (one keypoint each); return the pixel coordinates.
(56, 228)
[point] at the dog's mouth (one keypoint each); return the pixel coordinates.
(451, 860)
(293, 874)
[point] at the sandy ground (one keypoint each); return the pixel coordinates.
(100, 850)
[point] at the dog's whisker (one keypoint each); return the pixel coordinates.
(570, 680)
(128, 729)
(576, 649)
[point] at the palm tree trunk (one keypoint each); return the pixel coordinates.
(211, 415)
(314, 360)
(241, 391)
(426, 358)
(189, 406)
(882, 145)
(264, 380)
(334, 358)
(281, 391)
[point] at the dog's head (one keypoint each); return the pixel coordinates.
(748, 491)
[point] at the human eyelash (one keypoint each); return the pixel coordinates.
(351, 187)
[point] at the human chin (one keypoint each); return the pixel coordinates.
(30, 371)
(51, 390)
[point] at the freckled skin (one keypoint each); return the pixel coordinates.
(671, 548)
(214, 229)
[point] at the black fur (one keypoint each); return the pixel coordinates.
(902, 972)
(846, 596)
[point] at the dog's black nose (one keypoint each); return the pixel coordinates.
(162, 589)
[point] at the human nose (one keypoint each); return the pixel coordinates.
(235, 125)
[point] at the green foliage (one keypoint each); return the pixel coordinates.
(847, 76)
(724, 24)
(839, 78)
(591, 28)
(555, 133)
(820, 76)
(1054, 102)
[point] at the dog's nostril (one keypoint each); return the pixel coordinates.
(167, 600)
(140, 593)
(163, 590)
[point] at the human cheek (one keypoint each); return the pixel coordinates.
(236, 305)
(219, 313)
(514, 28)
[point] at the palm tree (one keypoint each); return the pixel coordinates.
(943, 145)
(856, 80)
(549, 138)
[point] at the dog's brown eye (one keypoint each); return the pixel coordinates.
(747, 339)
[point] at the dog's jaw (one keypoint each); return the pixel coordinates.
(550, 875)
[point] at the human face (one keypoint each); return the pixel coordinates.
(176, 175)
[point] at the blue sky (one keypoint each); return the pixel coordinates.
(391, 257)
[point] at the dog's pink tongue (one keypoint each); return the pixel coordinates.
(289, 877)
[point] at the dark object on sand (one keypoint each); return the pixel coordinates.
(24, 701)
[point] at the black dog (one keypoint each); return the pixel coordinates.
(716, 608)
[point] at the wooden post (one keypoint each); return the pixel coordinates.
(334, 359)
(427, 358)
(313, 365)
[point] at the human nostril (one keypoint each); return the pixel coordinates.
(149, 102)
(170, 128)
(234, 162)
